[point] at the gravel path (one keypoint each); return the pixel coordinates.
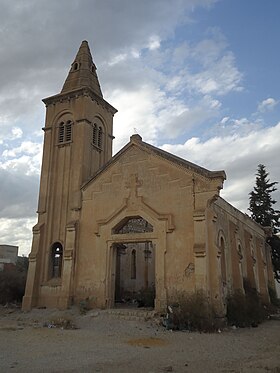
(103, 343)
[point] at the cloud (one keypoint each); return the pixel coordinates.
(19, 194)
(220, 77)
(154, 42)
(154, 99)
(267, 105)
(154, 114)
(19, 179)
(24, 159)
(239, 156)
(9, 133)
(17, 232)
(26, 147)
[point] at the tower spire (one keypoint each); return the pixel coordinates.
(82, 72)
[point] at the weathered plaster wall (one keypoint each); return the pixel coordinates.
(247, 255)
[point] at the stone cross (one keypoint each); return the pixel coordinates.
(133, 184)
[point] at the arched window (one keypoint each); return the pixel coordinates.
(133, 264)
(68, 131)
(223, 261)
(75, 66)
(100, 137)
(242, 261)
(94, 134)
(98, 133)
(56, 260)
(61, 132)
(65, 132)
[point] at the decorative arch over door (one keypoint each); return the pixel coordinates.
(132, 224)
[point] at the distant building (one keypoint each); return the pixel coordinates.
(8, 256)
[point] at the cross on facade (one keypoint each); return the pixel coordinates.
(133, 184)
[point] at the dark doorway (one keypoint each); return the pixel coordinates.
(135, 274)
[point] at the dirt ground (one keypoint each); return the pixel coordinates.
(104, 343)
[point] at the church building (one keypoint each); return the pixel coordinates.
(111, 228)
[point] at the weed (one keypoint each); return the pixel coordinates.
(193, 312)
(12, 286)
(275, 301)
(245, 308)
(146, 297)
(61, 322)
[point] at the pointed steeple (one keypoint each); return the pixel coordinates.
(83, 72)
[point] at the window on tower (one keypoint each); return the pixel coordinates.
(61, 132)
(65, 132)
(98, 134)
(100, 137)
(94, 133)
(75, 66)
(68, 131)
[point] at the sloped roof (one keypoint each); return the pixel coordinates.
(137, 140)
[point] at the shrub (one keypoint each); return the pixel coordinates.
(62, 322)
(193, 312)
(245, 309)
(13, 280)
(12, 286)
(146, 297)
(84, 306)
(275, 301)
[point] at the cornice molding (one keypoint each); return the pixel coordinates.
(85, 92)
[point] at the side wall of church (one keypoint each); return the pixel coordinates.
(243, 257)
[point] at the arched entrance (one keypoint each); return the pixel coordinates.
(134, 263)
(135, 222)
(134, 274)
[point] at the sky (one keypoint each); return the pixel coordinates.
(197, 78)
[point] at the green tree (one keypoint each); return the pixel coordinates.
(261, 202)
(262, 211)
(274, 242)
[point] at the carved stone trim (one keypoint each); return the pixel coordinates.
(132, 206)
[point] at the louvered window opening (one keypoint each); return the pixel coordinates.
(100, 135)
(65, 132)
(94, 134)
(97, 136)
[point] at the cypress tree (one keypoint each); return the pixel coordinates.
(262, 211)
(261, 202)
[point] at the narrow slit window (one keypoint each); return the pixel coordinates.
(133, 264)
(61, 132)
(100, 137)
(68, 131)
(94, 134)
(56, 260)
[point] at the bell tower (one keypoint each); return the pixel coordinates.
(78, 137)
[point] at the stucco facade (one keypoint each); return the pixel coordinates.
(87, 198)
